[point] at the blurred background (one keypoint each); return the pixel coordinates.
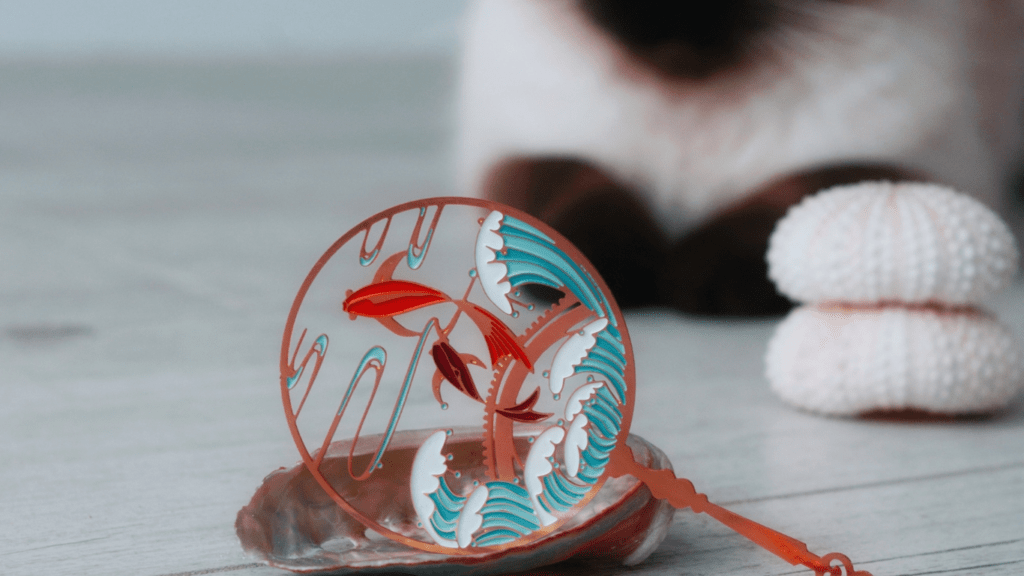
(218, 28)
(157, 157)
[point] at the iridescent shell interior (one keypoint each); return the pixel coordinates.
(292, 523)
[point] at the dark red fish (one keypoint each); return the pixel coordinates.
(451, 365)
(391, 297)
(524, 412)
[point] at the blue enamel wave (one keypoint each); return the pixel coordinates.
(507, 515)
(447, 506)
(532, 258)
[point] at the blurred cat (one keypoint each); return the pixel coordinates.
(666, 138)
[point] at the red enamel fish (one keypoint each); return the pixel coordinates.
(451, 365)
(499, 338)
(391, 297)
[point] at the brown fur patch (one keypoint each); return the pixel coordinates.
(717, 269)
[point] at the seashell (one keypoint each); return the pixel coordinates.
(891, 242)
(847, 361)
(292, 523)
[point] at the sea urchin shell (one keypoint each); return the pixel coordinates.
(893, 274)
(853, 360)
(891, 242)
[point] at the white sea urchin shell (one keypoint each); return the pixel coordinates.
(893, 272)
(849, 361)
(883, 242)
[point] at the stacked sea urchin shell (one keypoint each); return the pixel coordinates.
(892, 275)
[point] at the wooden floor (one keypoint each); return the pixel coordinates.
(155, 223)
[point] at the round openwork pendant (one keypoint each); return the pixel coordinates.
(442, 316)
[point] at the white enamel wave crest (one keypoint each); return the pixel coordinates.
(428, 467)
(577, 399)
(537, 466)
(575, 443)
(492, 274)
(470, 519)
(576, 439)
(572, 352)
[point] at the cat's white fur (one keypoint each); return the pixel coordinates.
(931, 85)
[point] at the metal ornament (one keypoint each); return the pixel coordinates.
(452, 314)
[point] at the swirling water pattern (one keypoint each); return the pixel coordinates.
(507, 514)
(510, 511)
(446, 510)
(532, 258)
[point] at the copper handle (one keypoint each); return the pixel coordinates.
(680, 492)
